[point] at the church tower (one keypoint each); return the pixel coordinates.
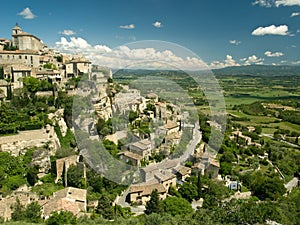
(15, 32)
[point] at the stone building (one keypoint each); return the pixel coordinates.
(63, 164)
(140, 193)
(78, 67)
(20, 57)
(22, 194)
(68, 199)
(25, 41)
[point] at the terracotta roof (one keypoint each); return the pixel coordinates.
(183, 170)
(150, 168)
(142, 145)
(146, 189)
(131, 155)
(164, 176)
(199, 166)
(171, 125)
(25, 34)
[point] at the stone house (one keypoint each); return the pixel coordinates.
(68, 199)
(182, 172)
(166, 178)
(6, 203)
(212, 170)
(20, 57)
(142, 148)
(198, 168)
(131, 158)
(172, 127)
(78, 67)
(140, 193)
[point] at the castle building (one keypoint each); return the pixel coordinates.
(25, 41)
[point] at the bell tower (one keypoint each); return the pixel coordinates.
(17, 29)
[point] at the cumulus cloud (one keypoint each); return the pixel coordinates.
(235, 42)
(129, 26)
(273, 54)
(253, 59)
(295, 14)
(271, 30)
(277, 3)
(67, 32)
(123, 56)
(229, 61)
(27, 14)
(157, 24)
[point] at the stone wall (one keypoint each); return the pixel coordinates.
(19, 143)
(6, 203)
(64, 164)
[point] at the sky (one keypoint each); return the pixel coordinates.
(221, 33)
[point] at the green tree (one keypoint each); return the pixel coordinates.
(132, 116)
(188, 191)
(32, 173)
(18, 212)
(75, 176)
(33, 212)
(32, 84)
(61, 218)
(154, 204)
(177, 206)
(267, 188)
(105, 208)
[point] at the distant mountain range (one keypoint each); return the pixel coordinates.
(251, 70)
(259, 70)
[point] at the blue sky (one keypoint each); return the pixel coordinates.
(222, 33)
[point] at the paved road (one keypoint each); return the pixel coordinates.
(283, 141)
(197, 135)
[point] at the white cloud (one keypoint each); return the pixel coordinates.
(123, 56)
(295, 14)
(130, 26)
(271, 30)
(27, 14)
(157, 24)
(67, 32)
(235, 42)
(273, 54)
(229, 61)
(253, 59)
(296, 62)
(264, 3)
(277, 3)
(287, 3)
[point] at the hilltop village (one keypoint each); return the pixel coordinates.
(45, 174)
